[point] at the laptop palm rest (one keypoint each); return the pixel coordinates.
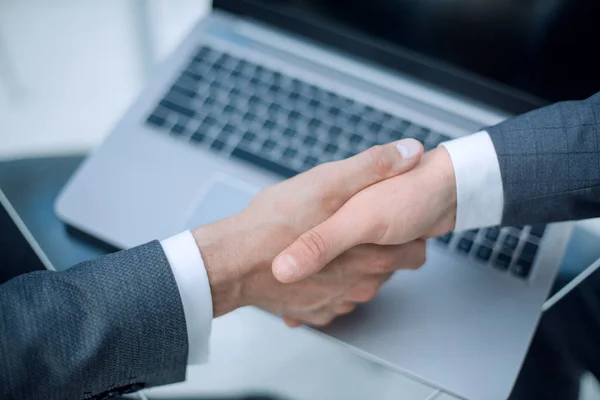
(222, 197)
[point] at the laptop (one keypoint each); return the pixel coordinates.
(261, 90)
(20, 251)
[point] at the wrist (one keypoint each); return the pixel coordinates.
(440, 169)
(217, 245)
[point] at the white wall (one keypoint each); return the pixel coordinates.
(69, 69)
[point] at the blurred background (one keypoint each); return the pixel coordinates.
(68, 70)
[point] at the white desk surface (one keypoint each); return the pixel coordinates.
(68, 70)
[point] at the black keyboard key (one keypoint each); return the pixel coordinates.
(433, 139)
(235, 92)
(210, 121)
(427, 146)
(269, 145)
(255, 80)
(314, 103)
(274, 89)
(502, 261)
(236, 73)
(335, 132)
(290, 153)
(229, 109)
(444, 138)
(198, 137)
(356, 139)
(254, 99)
(472, 233)
(522, 268)
(492, 234)
(484, 253)
(390, 135)
(279, 78)
(187, 92)
(375, 127)
(217, 145)
(210, 101)
(203, 52)
(331, 149)
(310, 162)
(178, 129)
(314, 124)
(529, 251)
(511, 241)
(260, 70)
(248, 137)
(156, 119)
(274, 109)
(229, 129)
(263, 162)
(192, 75)
(464, 246)
(250, 117)
(334, 111)
(289, 133)
(294, 115)
(421, 134)
(354, 119)
(445, 239)
(178, 108)
(310, 141)
(399, 125)
(538, 230)
(269, 125)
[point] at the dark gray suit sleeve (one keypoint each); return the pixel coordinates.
(550, 163)
(102, 328)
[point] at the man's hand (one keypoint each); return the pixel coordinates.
(415, 205)
(238, 252)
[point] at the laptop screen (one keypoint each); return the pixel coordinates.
(521, 53)
(17, 248)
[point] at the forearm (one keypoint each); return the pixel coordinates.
(550, 163)
(111, 324)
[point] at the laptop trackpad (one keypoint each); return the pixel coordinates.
(221, 198)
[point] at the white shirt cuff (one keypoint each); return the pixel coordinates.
(479, 192)
(192, 281)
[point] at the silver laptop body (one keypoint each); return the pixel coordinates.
(459, 323)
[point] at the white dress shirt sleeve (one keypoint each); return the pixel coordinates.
(192, 281)
(479, 192)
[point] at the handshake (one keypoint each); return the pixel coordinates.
(311, 248)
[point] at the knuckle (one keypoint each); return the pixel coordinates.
(346, 309)
(324, 320)
(420, 257)
(378, 163)
(420, 261)
(320, 319)
(366, 292)
(314, 245)
(385, 262)
(378, 228)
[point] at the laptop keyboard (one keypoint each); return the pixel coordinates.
(508, 249)
(249, 112)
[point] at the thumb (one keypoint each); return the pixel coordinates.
(376, 164)
(316, 248)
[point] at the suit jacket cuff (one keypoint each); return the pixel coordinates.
(479, 193)
(192, 281)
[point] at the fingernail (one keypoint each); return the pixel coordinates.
(286, 267)
(408, 148)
